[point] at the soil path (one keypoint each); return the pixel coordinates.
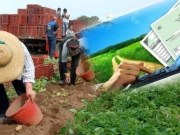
(114, 64)
(150, 65)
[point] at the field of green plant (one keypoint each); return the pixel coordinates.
(144, 111)
(136, 52)
(102, 66)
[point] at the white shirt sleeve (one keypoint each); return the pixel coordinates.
(28, 74)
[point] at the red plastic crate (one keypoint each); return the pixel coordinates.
(24, 19)
(59, 33)
(37, 60)
(22, 11)
(18, 19)
(15, 19)
(33, 8)
(5, 19)
(43, 10)
(30, 11)
(53, 12)
(32, 19)
(74, 22)
(4, 27)
(14, 29)
(44, 70)
(23, 30)
(44, 19)
(29, 6)
(41, 31)
(32, 31)
(11, 19)
(48, 10)
(59, 22)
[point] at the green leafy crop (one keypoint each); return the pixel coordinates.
(144, 111)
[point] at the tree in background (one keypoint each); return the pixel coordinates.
(90, 21)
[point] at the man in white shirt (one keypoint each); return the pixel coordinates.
(16, 66)
(65, 17)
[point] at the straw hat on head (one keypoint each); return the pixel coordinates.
(11, 57)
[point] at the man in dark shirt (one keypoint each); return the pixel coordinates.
(51, 33)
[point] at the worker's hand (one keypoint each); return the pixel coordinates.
(67, 75)
(126, 73)
(29, 92)
(55, 32)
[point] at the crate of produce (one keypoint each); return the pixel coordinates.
(37, 60)
(44, 70)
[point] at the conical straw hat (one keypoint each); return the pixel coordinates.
(11, 57)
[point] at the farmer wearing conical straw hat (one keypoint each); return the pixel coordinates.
(16, 66)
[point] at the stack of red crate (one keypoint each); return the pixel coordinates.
(77, 25)
(42, 70)
(59, 23)
(29, 22)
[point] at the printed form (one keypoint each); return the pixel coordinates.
(167, 29)
(154, 45)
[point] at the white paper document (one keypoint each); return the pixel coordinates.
(154, 45)
(167, 29)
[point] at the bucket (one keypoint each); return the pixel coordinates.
(24, 111)
(85, 71)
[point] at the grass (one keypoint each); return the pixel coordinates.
(137, 52)
(102, 66)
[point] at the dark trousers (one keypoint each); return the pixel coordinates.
(74, 65)
(4, 101)
(63, 67)
(52, 46)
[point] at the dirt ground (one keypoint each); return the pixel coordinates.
(54, 103)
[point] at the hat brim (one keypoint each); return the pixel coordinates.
(15, 67)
